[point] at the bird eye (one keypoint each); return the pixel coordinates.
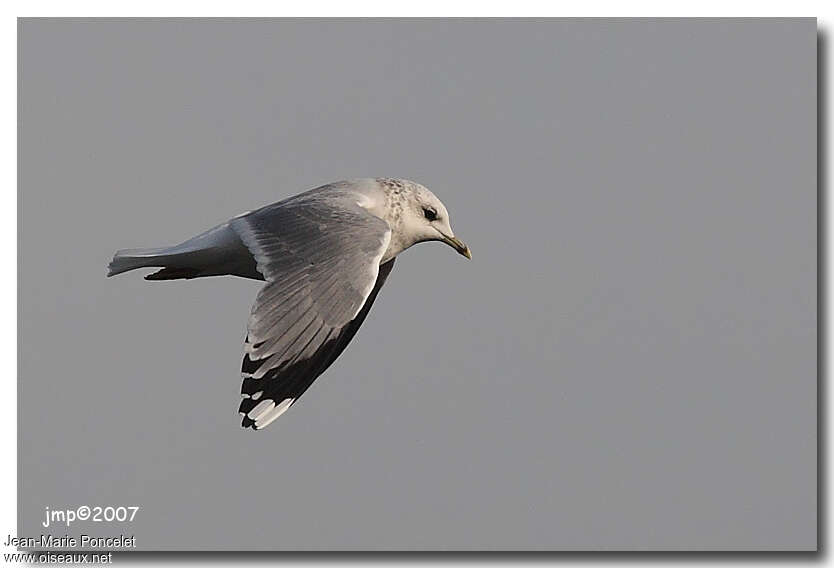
(430, 213)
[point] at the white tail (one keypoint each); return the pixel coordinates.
(216, 252)
(130, 259)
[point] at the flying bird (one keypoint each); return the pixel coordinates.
(324, 255)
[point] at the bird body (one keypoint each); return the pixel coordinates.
(324, 255)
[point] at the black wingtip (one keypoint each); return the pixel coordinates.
(248, 423)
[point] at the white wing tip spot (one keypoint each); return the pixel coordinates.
(265, 419)
(261, 408)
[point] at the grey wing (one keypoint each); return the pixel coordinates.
(321, 261)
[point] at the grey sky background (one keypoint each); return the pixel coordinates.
(628, 363)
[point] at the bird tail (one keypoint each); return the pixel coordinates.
(131, 259)
(216, 252)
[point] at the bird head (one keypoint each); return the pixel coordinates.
(423, 217)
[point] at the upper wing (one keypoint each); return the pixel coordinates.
(321, 262)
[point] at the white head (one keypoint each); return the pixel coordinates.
(416, 215)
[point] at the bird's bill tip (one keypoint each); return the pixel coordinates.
(459, 246)
(466, 252)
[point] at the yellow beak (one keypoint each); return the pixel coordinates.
(458, 245)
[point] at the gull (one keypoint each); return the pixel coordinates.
(324, 255)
